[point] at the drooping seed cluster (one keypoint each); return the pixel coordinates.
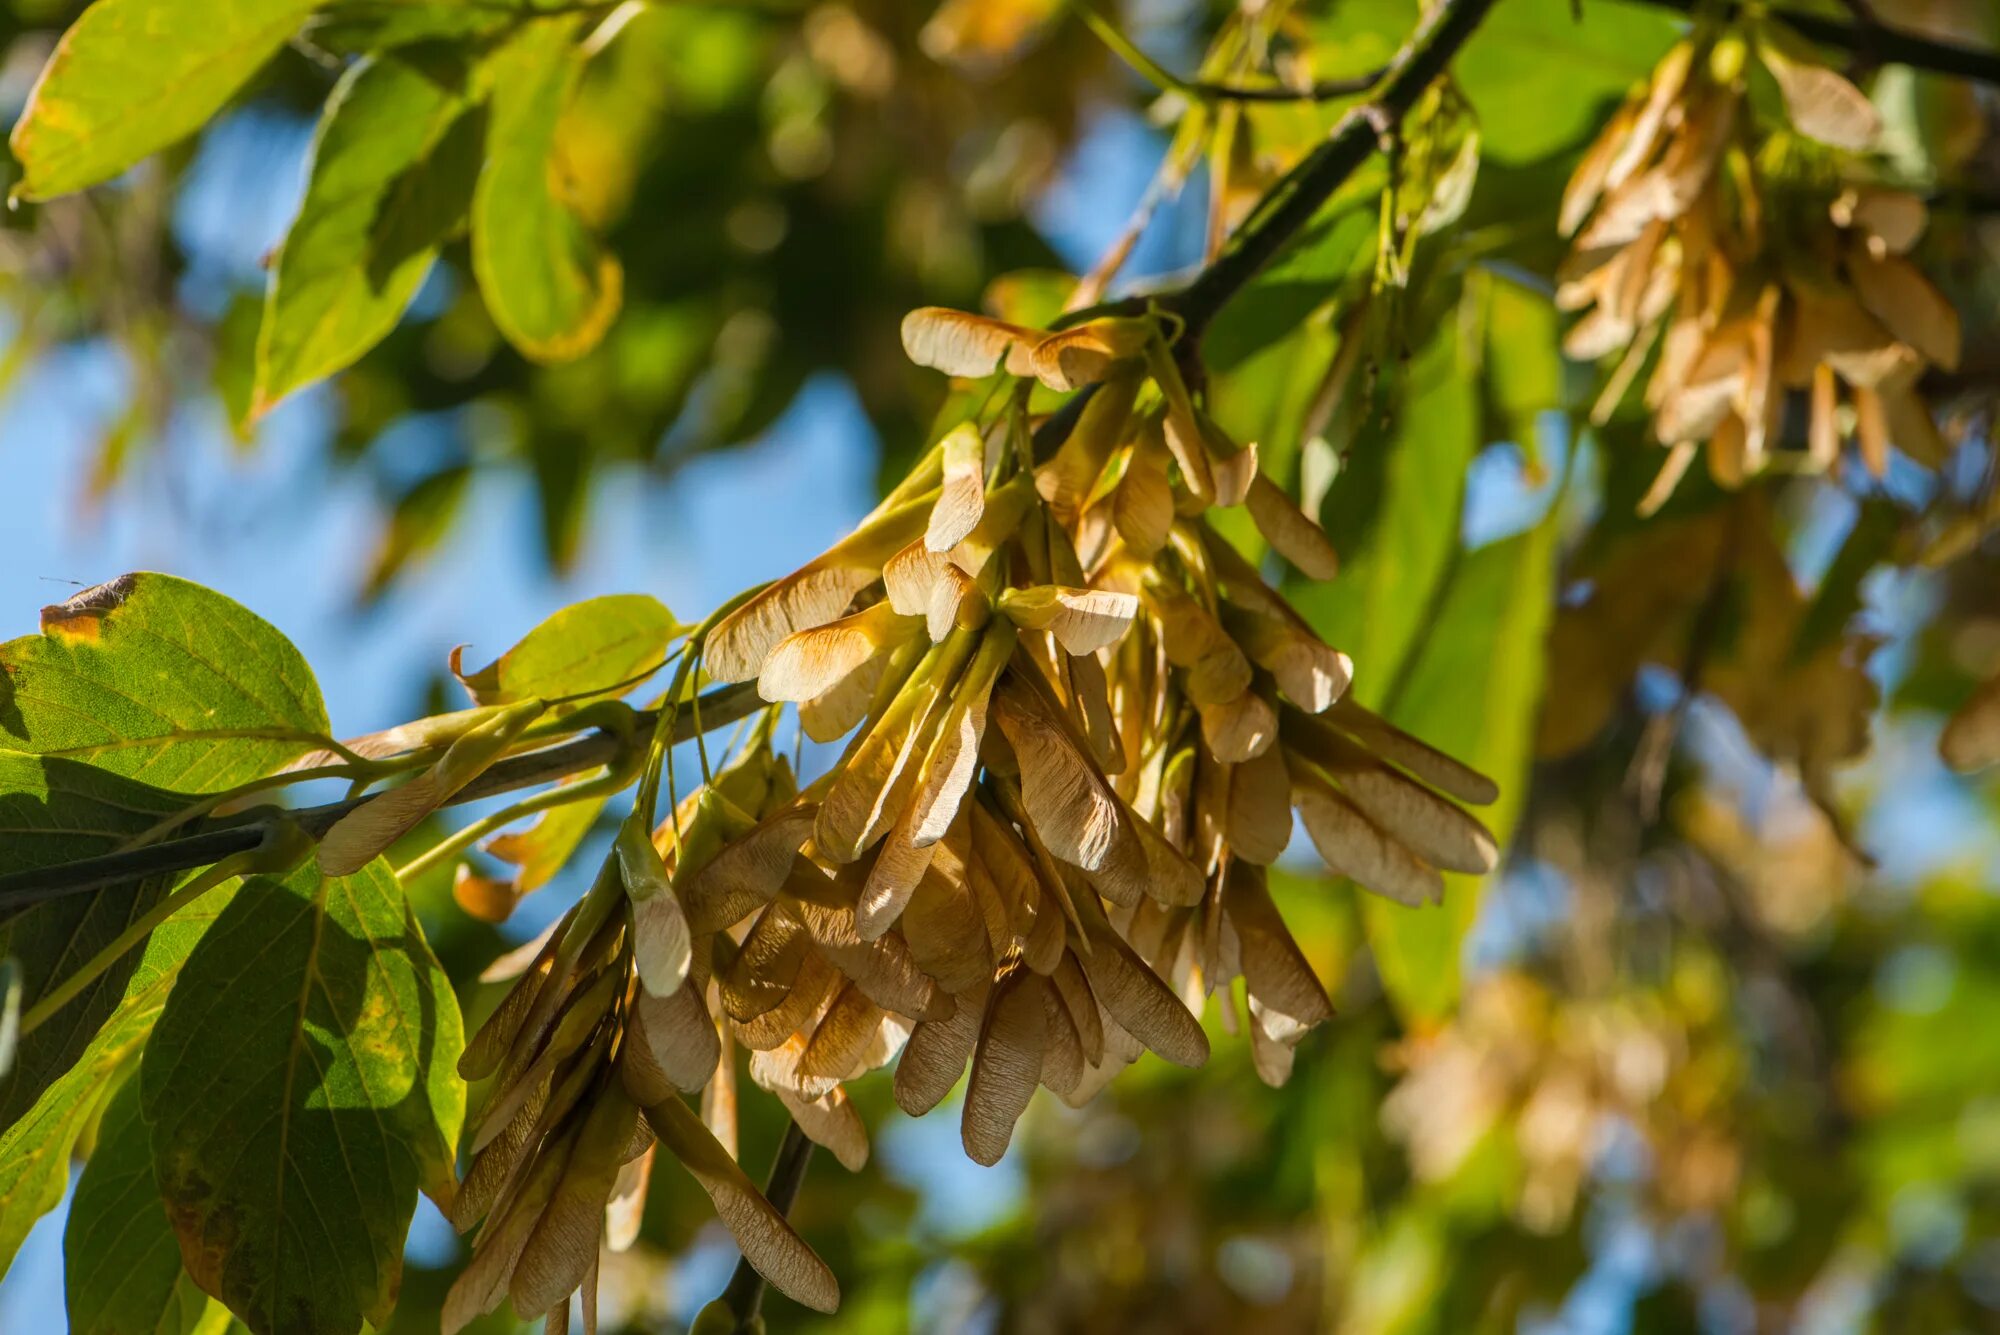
(1745, 263)
(1081, 722)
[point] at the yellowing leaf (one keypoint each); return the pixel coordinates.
(133, 76)
(551, 287)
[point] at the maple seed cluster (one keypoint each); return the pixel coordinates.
(1746, 267)
(1080, 722)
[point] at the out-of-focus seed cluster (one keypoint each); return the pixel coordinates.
(1741, 263)
(1081, 722)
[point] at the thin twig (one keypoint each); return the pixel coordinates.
(1294, 200)
(19, 889)
(1876, 40)
(1208, 90)
(1291, 204)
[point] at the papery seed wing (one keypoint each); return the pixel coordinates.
(761, 1232)
(1006, 1066)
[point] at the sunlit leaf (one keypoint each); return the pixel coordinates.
(132, 76)
(1400, 501)
(1473, 690)
(583, 649)
(551, 288)
(159, 679)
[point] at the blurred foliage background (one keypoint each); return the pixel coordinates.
(1715, 1051)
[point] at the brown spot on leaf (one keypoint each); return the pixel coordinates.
(82, 617)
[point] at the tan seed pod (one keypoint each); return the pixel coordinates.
(1274, 968)
(832, 1122)
(1260, 808)
(1908, 304)
(748, 873)
(811, 596)
(935, 1057)
(670, 1044)
(1820, 102)
(1240, 729)
(766, 1239)
(961, 502)
(1425, 761)
(565, 1242)
(1136, 997)
(960, 344)
(1352, 845)
(1288, 530)
(1082, 620)
(1006, 1065)
(810, 663)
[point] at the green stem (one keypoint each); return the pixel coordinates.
(467, 835)
(580, 755)
(276, 853)
(1126, 50)
(1205, 90)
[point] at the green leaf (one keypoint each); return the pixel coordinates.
(419, 521)
(1472, 690)
(583, 649)
(1400, 496)
(373, 25)
(1338, 245)
(1524, 369)
(1601, 50)
(35, 1150)
(54, 811)
(133, 76)
(550, 286)
(162, 680)
(392, 171)
(1538, 72)
(301, 1088)
(122, 1270)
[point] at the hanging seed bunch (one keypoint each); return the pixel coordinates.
(1081, 722)
(610, 1020)
(1746, 262)
(1079, 725)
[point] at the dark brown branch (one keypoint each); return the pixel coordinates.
(1875, 40)
(1292, 203)
(577, 756)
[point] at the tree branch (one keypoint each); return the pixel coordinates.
(1291, 204)
(580, 755)
(1294, 200)
(1875, 40)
